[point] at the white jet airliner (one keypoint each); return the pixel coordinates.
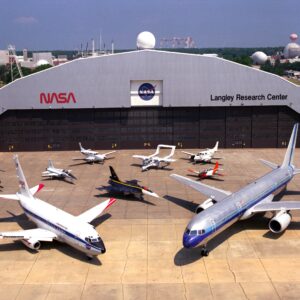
(224, 208)
(54, 223)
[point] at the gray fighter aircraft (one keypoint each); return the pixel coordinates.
(224, 208)
(53, 172)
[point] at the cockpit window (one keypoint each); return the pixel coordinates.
(187, 231)
(193, 232)
(201, 231)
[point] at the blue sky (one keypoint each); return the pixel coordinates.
(65, 24)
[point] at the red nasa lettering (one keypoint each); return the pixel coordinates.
(59, 98)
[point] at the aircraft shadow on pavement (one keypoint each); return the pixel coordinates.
(120, 196)
(203, 179)
(188, 205)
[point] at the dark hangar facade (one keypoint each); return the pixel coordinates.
(142, 98)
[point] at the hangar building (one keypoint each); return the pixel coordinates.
(141, 98)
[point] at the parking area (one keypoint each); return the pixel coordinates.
(145, 258)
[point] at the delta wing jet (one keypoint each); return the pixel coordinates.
(224, 208)
(154, 161)
(203, 156)
(54, 223)
(53, 172)
(208, 173)
(92, 156)
(126, 187)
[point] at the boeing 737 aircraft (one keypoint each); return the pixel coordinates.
(54, 223)
(224, 208)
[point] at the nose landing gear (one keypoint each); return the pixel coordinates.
(204, 251)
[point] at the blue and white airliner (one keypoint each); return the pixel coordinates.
(224, 208)
(54, 223)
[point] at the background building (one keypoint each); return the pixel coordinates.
(141, 98)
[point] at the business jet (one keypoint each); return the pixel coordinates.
(154, 161)
(203, 156)
(208, 173)
(92, 156)
(126, 187)
(53, 172)
(224, 208)
(54, 223)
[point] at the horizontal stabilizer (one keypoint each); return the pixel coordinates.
(91, 214)
(269, 164)
(10, 197)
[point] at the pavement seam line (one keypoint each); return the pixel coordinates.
(86, 277)
(228, 264)
(122, 275)
(211, 292)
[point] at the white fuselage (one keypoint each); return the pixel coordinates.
(67, 228)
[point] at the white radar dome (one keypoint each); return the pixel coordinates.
(293, 37)
(291, 50)
(42, 62)
(259, 57)
(145, 40)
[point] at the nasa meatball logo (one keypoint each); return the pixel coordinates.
(146, 91)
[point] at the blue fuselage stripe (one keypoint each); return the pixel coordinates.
(67, 233)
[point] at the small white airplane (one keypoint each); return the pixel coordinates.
(208, 173)
(203, 156)
(154, 161)
(57, 173)
(92, 156)
(54, 223)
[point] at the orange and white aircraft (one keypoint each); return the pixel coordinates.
(208, 173)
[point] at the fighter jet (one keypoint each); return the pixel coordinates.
(153, 161)
(203, 156)
(92, 156)
(53, 172)
(224, 208)
(126, 187)
(54, 223)
(208, 173)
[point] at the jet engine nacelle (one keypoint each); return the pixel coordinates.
(206, 204)
(280, 222)
(32, 244)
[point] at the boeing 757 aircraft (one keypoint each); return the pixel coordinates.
(54, 223)
(224, 208)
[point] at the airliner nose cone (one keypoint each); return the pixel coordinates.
(187, 241)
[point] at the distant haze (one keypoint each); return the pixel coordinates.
(65, 24)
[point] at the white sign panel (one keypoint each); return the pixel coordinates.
(146, 92)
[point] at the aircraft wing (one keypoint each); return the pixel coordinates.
(140, 156)
(91, 214)
(47, 174)
(276, 206)
(108, 153)
(188, 153)
(37, 233)
(211, 192)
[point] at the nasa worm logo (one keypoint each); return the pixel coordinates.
(146, 91)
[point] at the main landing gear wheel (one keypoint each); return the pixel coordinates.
(204, 252)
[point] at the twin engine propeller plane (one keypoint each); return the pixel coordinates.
(224, 208)
(54, 223)
(53, 172)
(126, 188)
(203, 156)
(153, 161)
(208, 173)
(92, 156)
